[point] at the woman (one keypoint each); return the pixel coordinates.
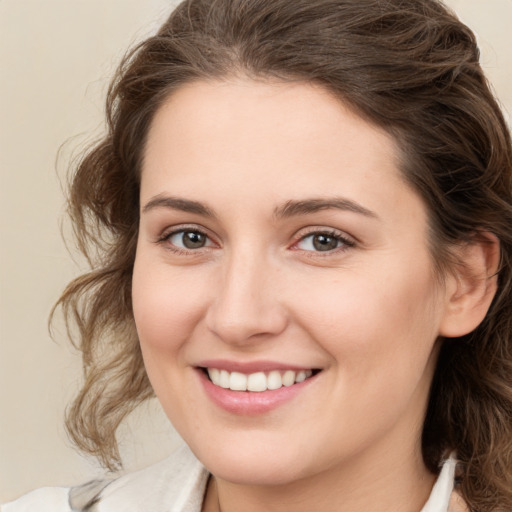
(299, 229)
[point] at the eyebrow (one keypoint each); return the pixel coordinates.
(177, 203)
(308, 206)
(289, 209)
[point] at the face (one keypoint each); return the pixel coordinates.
(281, 250)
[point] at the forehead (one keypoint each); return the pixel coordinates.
(281, 140)
(290, 110)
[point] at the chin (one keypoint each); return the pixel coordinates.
(255, 463)
(251, 472)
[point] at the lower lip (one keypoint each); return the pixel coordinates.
(251, 403)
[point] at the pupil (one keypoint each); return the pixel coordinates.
(193, 240)
(325, 243)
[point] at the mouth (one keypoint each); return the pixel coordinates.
(254, 388)
(257, 382)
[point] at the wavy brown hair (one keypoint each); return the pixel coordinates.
(408, 66)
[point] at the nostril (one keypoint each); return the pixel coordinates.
(240, 315)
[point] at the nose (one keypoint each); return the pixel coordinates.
(246, 306)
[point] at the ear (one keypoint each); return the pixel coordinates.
(471, 285)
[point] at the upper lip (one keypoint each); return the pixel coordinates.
(249, 367)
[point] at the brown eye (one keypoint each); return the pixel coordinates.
(193, 240)
(189, 239)
(325, 242)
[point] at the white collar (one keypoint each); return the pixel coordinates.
(181, 481)
(439, 499)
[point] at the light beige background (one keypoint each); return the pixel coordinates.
(56, 57)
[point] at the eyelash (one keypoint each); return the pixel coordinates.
(344, 241)
(166, 236)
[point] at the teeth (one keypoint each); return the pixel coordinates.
(238, 381)
(274, 380)
(223, 379)
(301, 377)
(258, 381)
(214, 375)
(288, 378)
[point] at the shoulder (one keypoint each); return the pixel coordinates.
(47, 499)
(178, 481)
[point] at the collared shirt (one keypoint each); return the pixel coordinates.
(176, 484)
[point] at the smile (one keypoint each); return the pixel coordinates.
(254, 388)
(258, 381)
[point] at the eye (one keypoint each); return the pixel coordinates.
(188, 239)
(323, 242)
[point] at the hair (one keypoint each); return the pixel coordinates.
(408, 66)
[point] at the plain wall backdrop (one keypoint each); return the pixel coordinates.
(56, 58)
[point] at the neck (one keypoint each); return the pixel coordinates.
(399, 484)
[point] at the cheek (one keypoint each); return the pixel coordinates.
(167, 304)
(362, 319)
(380, 335)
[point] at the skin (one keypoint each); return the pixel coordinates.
(367, 313)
